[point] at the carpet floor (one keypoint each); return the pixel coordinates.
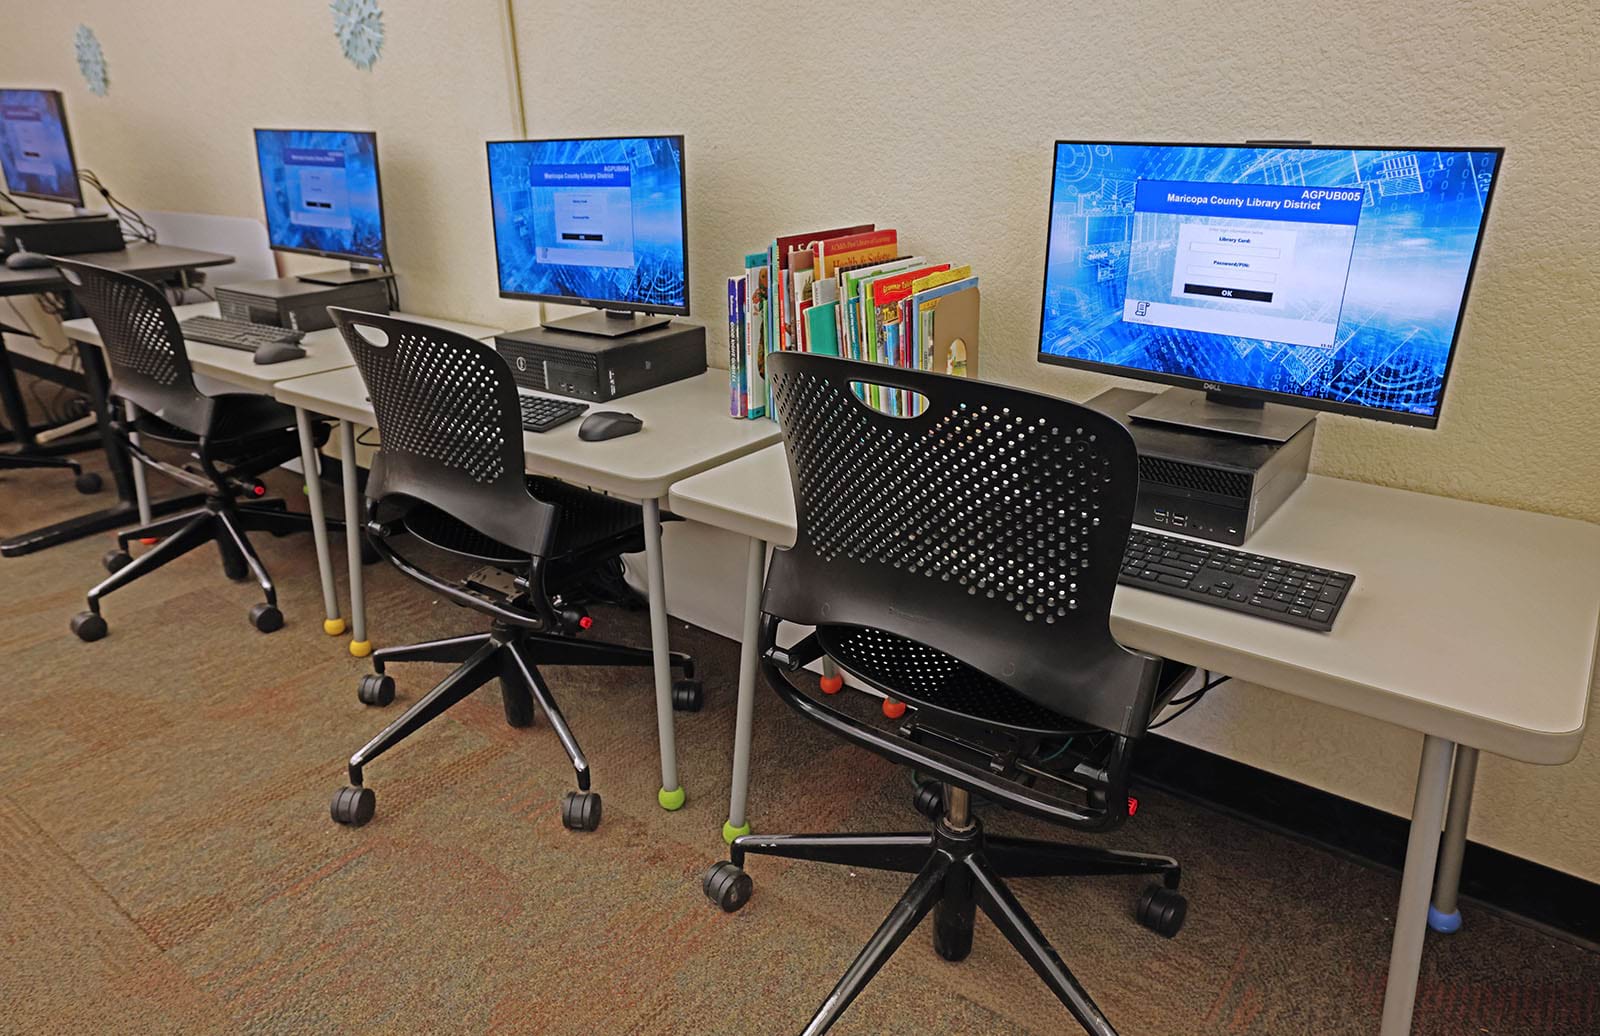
(167, 862)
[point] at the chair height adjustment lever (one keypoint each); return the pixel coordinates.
(378, 529)
(786, 660)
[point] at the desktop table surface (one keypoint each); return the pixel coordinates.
(1475, 623)
(686, 430)
(325, 350)
(138, 258)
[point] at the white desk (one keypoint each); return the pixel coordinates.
(237, 369)
(1475, 625)
(686, 430)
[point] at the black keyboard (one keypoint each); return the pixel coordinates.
(1255, 584)
(236, 334)
(540, 413)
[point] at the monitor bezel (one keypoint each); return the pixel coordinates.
(72, 156)
(1246, 391)
(377, 176)
(572, 300)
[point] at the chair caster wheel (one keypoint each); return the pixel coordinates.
(88, 482)
(728, 886)
(88, 626)
(580, 810)
(893, 709)
(929, 800)
(376, 689)
(112, 560)
(687, 695)
(266, 618)
(1162, 910)
(353, 807)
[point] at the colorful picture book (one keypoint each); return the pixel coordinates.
(848, 292)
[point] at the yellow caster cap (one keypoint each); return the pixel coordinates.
(729, 832)
(361, 648)
(671, 800)
(333, 627)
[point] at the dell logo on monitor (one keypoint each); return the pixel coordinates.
(1212, 386)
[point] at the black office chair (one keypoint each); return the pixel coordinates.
(962, 561)
(83, 481)
(450, 474)
(234, 438)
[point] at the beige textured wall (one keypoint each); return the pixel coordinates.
(189, 82)
(937, 119)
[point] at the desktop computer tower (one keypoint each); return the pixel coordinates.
(599, 368)
(73, 236)
(1207, 484)
(296, 304)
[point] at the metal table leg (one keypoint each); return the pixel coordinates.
(1411, 917)
(738, 796)
(332, 623)
(141, 488)
(671, 795)
(1445, 915)
(360, 646)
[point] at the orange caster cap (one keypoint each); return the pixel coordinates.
(832, 684)
(893, 709)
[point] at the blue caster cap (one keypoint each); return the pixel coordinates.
(1445, 923)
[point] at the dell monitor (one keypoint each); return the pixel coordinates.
(35, 148)
(320, 190)
(593, 222)
(1328, 278)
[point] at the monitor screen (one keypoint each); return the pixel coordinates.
(35, 150)
(320, 188)
(1330, 277)
(596, 222)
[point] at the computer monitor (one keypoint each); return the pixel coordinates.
(1329, 278)
(35, 148)
(593, 222)
(322, 197)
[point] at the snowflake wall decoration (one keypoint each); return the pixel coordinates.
(359, 26)
(91, 60)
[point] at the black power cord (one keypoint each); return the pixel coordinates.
(134, 226)
(1188, 701)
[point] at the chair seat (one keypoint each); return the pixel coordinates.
(918, 674)
(233, 417)
(587, 519)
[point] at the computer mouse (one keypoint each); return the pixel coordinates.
(27, 261)
(277, 352)
(608, 424)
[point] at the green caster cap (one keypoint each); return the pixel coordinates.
(671, 800)
(729, 832)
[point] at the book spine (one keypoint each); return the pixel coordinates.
(733, 346)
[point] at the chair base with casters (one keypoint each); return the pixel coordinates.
(518, 643)
(959, 868)
(254, 441)
(84, 481)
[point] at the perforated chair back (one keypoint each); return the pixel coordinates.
(451, 426)
(143, 346)
(990, 527)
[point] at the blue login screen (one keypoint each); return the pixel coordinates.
(1330, 273)
(320, 189)
(35, 153)
(600, 220)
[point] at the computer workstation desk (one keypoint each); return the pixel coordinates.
(686, 430)
(236, 369)
(1473, 625)
(140, 259)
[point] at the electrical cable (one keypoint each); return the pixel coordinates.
(1189, 701)
(134, 226)
(15, 204)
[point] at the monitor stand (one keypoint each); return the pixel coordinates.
(1220, 412)
(76, 212)
(608, 323)
(355, 274)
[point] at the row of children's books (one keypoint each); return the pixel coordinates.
(848, 292)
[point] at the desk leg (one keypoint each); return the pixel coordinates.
(141, 488)
(1411, 917)
(671, 795)
(738, 796)
(332, 623)
(1445, 914)
(360, 646)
